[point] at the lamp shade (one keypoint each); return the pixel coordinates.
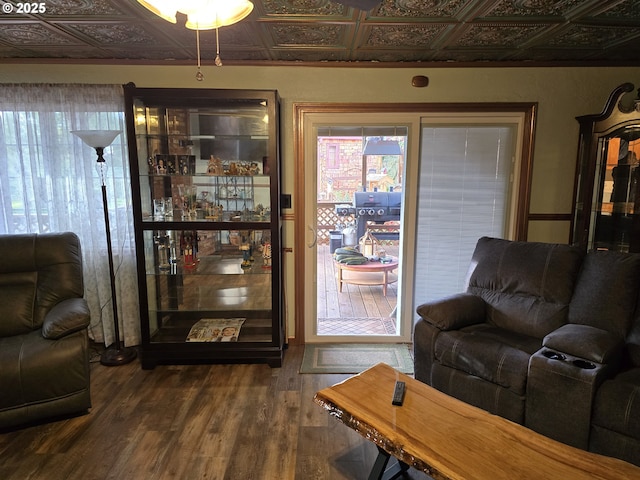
(97, 138)
(201, 14)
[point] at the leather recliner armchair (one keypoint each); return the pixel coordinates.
(44, 347)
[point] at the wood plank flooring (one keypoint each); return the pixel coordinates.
(355, 301)
(231, 422)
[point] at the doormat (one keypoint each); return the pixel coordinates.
(354, 357)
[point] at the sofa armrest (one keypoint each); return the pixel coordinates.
(66, 317)
(585, 342)
(455, 312)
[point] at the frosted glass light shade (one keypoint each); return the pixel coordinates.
(97, 138)
(201, 14)
(165, 9)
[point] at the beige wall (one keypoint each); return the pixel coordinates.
(561, 94)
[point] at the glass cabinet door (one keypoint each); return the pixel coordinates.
(606, 213)
(202, 164)
(615, 188)
(205, 176)
(214, 275)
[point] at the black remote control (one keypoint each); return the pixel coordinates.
(398, 393)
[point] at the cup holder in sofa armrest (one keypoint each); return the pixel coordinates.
(554, 355)
(584, 364)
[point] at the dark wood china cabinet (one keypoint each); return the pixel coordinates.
(606, 214)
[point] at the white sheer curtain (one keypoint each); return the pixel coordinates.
(48, 183)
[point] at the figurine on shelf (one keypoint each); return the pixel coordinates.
(266, 255)
(214, 212)
(246, 214)
(170, 166)
(215, 166)
(162, 168)
(245, 248)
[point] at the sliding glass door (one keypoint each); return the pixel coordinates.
(465, 174)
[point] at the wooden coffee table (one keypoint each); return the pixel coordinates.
(449, 439)
(370, 273)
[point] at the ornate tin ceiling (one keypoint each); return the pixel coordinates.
(599, 32)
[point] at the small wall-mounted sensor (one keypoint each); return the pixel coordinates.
(420, 81)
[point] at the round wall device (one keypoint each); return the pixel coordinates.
(420, 81)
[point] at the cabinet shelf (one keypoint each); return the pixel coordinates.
(205, 182)
(224, 265)
(177, 330)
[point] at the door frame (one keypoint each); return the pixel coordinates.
(302, 112)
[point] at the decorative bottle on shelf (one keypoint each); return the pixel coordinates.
(162, 243)
(189, 249)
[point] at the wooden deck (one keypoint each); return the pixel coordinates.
(358, 309)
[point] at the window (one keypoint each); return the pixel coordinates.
(49, 184)
(465, 192)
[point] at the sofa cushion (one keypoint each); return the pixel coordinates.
(617, 404)
(527, 285)
(606, 293)
(490, 353)
(59, 260)
(17, 302)
(480, 393)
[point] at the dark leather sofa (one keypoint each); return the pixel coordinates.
(44, 355)
(545, 335)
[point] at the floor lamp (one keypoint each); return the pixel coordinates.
(116, 353)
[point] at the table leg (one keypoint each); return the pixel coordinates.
(379, 471)
(385, 279)
(339, 278)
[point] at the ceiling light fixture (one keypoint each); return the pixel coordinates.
(201, 15)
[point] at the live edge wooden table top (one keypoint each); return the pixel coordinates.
(449, 439)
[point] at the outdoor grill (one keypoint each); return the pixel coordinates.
(344, 210)
(377, 207)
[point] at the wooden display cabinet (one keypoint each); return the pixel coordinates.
(606, 213)
(205, 180)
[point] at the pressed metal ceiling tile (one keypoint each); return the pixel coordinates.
(534, 8)
(403, 36)
(318, 31)
(423, 8)
(31, 33)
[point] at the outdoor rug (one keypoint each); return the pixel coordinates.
(354, 357)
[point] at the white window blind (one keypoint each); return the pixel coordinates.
(464, 193)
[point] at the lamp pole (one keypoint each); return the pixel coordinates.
(116, 353)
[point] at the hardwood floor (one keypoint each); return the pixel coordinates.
(233, 422)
